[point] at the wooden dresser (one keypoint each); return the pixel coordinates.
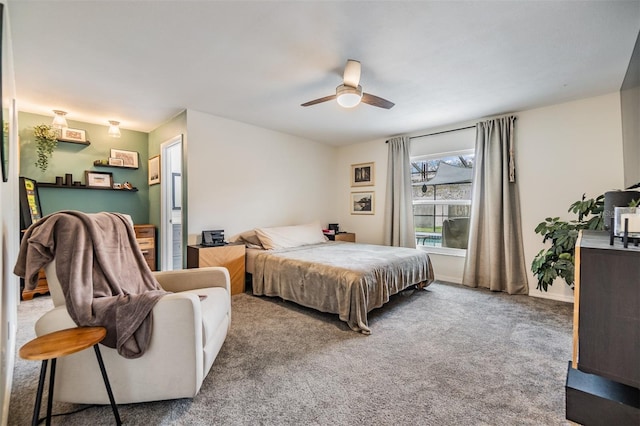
(231, 256)
(146, 237)
(41, 288)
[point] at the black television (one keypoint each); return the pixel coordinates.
(630, 108)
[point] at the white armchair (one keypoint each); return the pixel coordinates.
(189, 328)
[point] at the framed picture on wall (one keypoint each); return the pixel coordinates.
(362, 202)
(154, 170)
(98, 179)
(73, 135)
(116, 162)
(129, 158)
(362, 174)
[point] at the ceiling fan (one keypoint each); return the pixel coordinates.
(349, 93)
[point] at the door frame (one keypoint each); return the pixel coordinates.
(166, 199)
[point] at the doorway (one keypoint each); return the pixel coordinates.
(171, 200)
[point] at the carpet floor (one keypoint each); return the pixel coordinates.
(446, 355)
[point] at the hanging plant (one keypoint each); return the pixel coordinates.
(46, 142)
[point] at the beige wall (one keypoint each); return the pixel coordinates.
(368, 228)
(242, 176)
(562, 151)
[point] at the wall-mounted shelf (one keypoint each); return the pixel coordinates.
(53, 185)
(76, 142)
(97, 163)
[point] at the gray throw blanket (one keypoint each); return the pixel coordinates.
(104, 277)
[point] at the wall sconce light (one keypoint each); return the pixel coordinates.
(59, 121)
(114, 129)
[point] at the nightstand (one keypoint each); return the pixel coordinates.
(231, 256)
(349, 237)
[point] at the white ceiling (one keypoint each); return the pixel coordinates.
(142, 62)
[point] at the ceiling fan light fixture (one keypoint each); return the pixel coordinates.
(347, 96)
(349, 93)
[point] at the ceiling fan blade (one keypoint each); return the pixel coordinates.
(351, 75)
(319, 100)
(376, 101)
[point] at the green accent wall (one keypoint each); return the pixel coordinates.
(76, 159)
(174, 127)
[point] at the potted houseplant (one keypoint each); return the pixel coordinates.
(46, 142)
(558, 260)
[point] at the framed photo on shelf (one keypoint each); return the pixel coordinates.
(129, 158)
(363, 202)
(362, 174)
(154, 170)
(73, 135)
(98, 179)
(116, 162)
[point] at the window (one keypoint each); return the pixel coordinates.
(442, 198)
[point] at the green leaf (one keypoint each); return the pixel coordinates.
(558, 260)
(46, 142)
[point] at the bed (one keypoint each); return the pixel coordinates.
(348, 279)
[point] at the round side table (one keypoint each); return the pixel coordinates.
(61, 343)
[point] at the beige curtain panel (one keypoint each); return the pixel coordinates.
(399, 230)
(495, 254)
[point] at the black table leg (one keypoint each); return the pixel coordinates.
(52, 378)
(36, 409)
(114, 407)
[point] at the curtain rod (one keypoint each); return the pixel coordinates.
(438, 133)
(455, 130)
(444, 131)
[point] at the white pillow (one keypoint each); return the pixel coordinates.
(248, 238)
(291, 236)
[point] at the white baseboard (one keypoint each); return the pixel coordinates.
(559, 297)
(455, 280)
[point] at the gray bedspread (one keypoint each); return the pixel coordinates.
(341, 278)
